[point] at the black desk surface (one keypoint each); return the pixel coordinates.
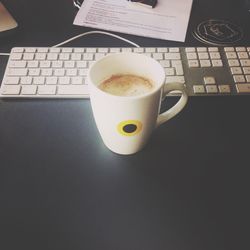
(60, 188)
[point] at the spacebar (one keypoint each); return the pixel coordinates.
(72, 90)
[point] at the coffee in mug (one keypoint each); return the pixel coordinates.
(127, 85)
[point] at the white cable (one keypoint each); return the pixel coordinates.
(96, 32)
(4, 54)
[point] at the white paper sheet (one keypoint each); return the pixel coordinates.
(168, 20)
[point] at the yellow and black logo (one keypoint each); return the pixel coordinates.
(129, 127)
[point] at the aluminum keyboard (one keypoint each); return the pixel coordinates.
(61, 72)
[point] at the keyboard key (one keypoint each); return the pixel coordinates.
(12, 80)
(234, 63)
(40, 56)
(42, 50)
(103, 50)
(88, 56)
(190, 49)
(90, 63)
(59, 72)
(242, 55)
(10, 89)
(165, 63)
(229, 49)
(17, 64)
(69, 64)
(29, 90)
(212, 89)
(46, 72)
(17, 72)
(217, 63)
(28, 56)
(162, 50)
(34, 72)
(54, 50)
(71, 72)
(201, 49)
(51, 80)
(245, 62)
(199, 89)
(18, 50)
(209, 80)
(179, 70)
(175, 50)
(193, 63)
(57, 64)
(231, 55)
(52, 56)
(83, 72)
(72, 89)
(98, 56)
(77, 80)
(30, 50)
(38, 80)
(150, 50)
(16, 56)
(112, 50)
(46, 90)
(172, 56)
(93, 50)
(240, 49)
(239, 78)
(45, 64)
(26, 80)
(203, 55)
(79, 50)
(243, 88)
(67, 50)
(214, 55)
(175, 63)
(213, 49)
(205, 63)
(192, 55)
(236, 70)
(224, 88)
(34, 64)
(158, 56)
(64, 80)
(169, 71)
(126, 49)
(81, 64)
(246, 70)
(76, 56)
(178, 79)
(64, 56)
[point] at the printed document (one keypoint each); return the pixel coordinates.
(168, 20)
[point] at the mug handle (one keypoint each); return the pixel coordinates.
(167, 115)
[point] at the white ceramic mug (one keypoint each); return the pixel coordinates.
(125, 123)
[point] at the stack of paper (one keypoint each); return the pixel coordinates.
(168, 20)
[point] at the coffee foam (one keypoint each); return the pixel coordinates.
(126, 85)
